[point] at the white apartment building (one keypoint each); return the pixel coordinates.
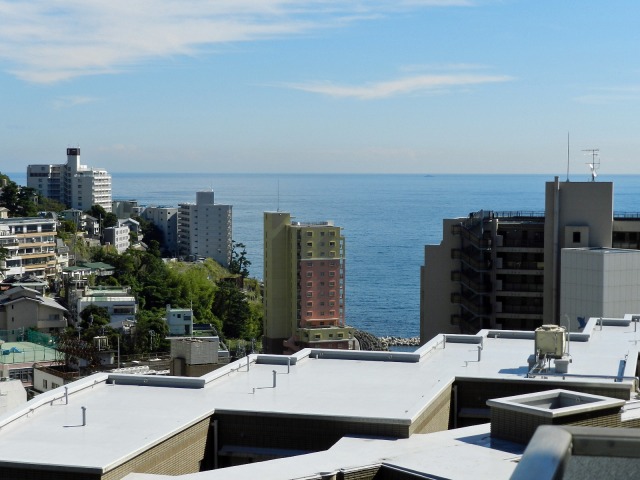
(119, 302)
(73, 184)
(180, 321)
(204, 229)
(166, 219)
(31, 246)
(117, 237)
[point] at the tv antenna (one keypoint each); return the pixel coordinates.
(595, 161)
(568, 144)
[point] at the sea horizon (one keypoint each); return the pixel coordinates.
(386, 219)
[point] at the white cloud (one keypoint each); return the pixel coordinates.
(402, 86)
(71, 101)
(604, 96)
(43, 41)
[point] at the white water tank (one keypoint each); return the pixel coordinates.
(551, 340)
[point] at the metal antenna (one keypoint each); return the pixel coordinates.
(278, 206)
(567, 156)
(595, 161)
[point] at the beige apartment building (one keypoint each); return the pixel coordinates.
(304, 266)
(30, 244)
(502, 270)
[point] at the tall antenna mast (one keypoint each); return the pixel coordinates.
(595, 161)
(567, 156)
(278, 206)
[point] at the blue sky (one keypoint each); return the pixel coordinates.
(403, 86)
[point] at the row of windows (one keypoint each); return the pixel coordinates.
(332, 233)
(331, 274)
(331, 244)
(332, 293)
(322, 254)
(331, 304)
(331, 284)
(331, 264)
(331, 313)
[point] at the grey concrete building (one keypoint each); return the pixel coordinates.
(503, 269)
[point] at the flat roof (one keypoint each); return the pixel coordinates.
(477, 457)
(355, 386)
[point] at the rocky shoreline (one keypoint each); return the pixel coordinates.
(401, 342)
(373, 343)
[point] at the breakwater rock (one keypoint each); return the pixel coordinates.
(372, 343)
(369, 342)
(401, 342)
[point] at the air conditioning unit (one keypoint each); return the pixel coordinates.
(551, 340)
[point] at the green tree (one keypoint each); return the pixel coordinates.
(239, 263)
(108, 219)
(150, 232)
(151, 331)
(231, 307)
(93, 315)
(20, 201)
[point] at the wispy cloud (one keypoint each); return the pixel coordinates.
(610, 95)
(401, 86)
(71, 101)
(43, 41)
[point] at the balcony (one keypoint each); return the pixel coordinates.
(47, 324)
(470, 305)
(480, 265)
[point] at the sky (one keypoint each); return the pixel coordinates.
(321, 86)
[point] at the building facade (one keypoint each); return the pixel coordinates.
(117, 237)
(304, 291)
(205, 229)
(72, 184)
(503, 269)
(31, 246)
(179, 321)
(166, 219)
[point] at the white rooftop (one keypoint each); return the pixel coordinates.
(390, 387)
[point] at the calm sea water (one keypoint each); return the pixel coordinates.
(386, 220)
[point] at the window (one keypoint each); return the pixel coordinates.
(54, 385)
(309, 294)
(308, 314)
(309, 244)
(332, 274)
(309, 234)
(331, 284)
(332, 293)
(332, 244)
(309, 264)
(309, 274)
(309, 284)
(322, 234)
(45, 384)
(322, 314)
(309, 304)
(576, 237)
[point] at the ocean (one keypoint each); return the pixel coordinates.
(386, 219)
